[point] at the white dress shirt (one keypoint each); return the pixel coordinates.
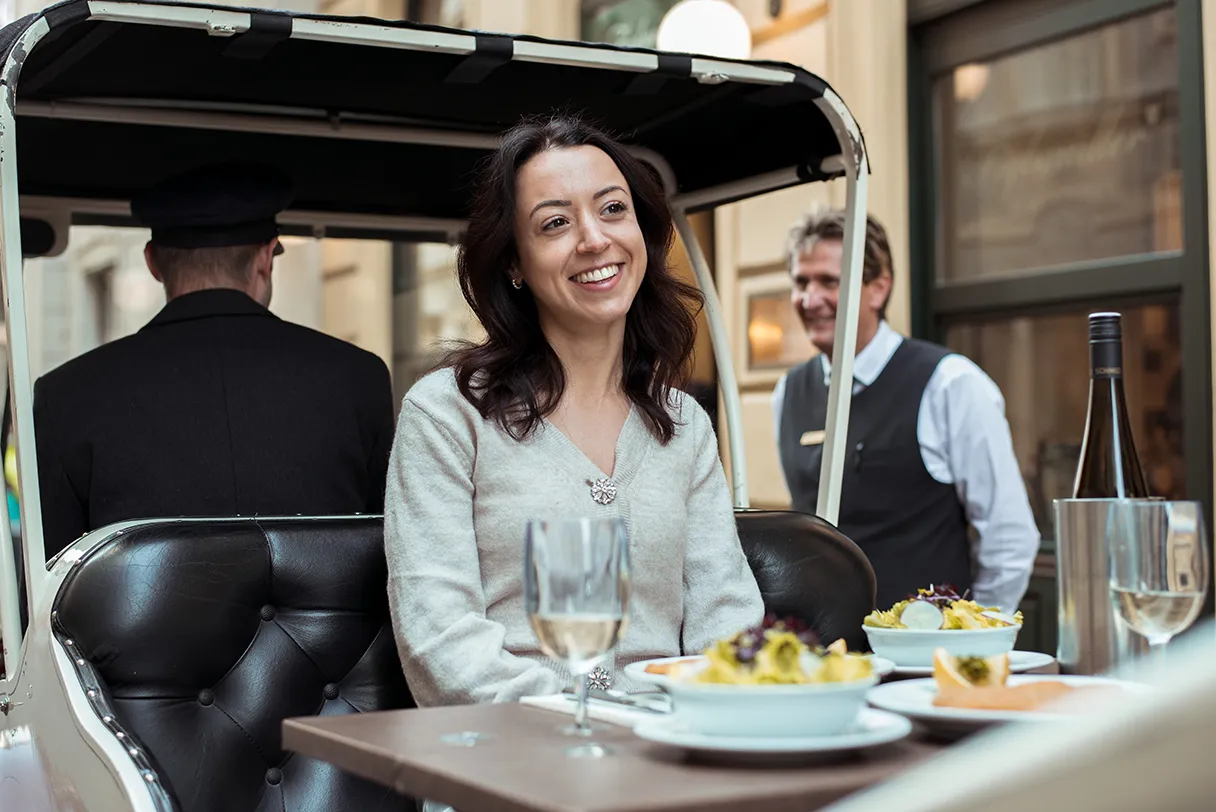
(964, 440)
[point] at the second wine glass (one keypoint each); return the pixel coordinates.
(576, 590)
(1158, 566)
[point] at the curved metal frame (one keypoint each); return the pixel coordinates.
(227, 22)
(19, 379)
(99, 702)
(10, 607)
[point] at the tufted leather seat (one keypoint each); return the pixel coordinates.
(202, 636)
(807, 568)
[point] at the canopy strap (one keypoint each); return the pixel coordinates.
(492, 52)
(265, 32)
(671, 66)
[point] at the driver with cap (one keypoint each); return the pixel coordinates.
(216, 407)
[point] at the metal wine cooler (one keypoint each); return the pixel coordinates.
(1093, 637)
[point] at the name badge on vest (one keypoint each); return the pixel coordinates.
(813, 437)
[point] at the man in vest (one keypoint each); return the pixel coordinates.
(929, 450)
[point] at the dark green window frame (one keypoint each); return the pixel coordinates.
(947, 33)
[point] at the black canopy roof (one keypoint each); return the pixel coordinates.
(294, 71)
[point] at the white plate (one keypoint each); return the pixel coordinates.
(1019, 661)
(882, 666)
(872, 728)
(637, 671)
(914, 698)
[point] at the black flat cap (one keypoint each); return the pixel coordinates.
(215, 206)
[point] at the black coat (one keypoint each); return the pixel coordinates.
(214, 408)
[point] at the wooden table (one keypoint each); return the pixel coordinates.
(521, 766)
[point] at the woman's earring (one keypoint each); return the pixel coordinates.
(518, 284)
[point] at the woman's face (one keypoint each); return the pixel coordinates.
(581, 251)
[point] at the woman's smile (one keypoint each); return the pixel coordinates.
(599, 278)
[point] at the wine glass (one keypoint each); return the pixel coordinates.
(576, 589)
(1158, 566)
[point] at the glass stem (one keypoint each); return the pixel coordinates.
(1156, 649)
(580, 715)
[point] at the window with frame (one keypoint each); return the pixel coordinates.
(1062, 152)
(1059, 169)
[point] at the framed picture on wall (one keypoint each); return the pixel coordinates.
(769, 338)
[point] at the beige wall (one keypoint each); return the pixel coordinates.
(859, 47)
(867, 47)
(557, 19)
(297, 283)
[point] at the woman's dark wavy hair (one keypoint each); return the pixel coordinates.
(514, 377)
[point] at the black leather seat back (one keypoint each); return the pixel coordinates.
(203, 636)
(807, 568)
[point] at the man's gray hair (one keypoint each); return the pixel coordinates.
(828, 224)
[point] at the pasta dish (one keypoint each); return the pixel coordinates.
(780, 652)
(937, 607)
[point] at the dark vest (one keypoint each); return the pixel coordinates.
(910, 526)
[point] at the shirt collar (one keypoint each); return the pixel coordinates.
(872, 360)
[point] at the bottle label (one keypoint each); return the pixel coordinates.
(1106, 359)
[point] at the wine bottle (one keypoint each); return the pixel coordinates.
(1109, 467)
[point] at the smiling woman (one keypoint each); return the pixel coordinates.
(570, 407)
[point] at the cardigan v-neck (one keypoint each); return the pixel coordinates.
(626, 451)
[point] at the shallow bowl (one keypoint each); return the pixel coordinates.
(760, 711)
(915, 647)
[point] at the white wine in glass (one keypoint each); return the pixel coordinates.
(1158, 566)
(1157, 614)
(576, 590)
(579, 639)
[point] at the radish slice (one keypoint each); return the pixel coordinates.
(1008, 620)
(922, 615)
